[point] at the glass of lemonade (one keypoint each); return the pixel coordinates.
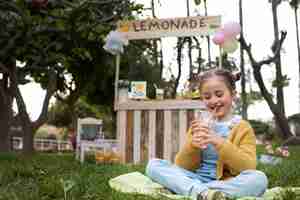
(205, 117)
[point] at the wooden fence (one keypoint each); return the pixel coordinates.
(153, 129)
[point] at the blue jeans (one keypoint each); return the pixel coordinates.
(188, 183)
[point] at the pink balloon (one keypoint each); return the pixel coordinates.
(231, 29)
(219, 38)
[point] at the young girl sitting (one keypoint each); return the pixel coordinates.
(216, 162)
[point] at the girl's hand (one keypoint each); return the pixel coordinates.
(213, 139)
(202, 136)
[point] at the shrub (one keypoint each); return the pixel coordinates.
(295, 121)
(41, 133)
(294, 118)
(260, 127)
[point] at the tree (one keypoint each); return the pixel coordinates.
(91, 69)
(242, 66)
(158, 55)
(207, 37)
(280, 79)
(180, 46)
(294, 4)
(190, 42)
(5, 109)
(17, 35)
(275, 108)
(61, 116)
(47, 38)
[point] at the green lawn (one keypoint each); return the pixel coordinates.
(45, 176)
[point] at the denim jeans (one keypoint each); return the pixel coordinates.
(188, 183)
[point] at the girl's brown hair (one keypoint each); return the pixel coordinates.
(228, 78)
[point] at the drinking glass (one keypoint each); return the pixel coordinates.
(205, 117)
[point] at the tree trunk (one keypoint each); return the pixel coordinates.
(28, 136)
(298, 48)
(29, 128)
(4, 126)
(158, 54)
(26, 123)
(242, 66)
(189, 43)
(280, 119)
(180, 43)
(5, 114)
(207, 37)
(161, 59)
(155, 41)
(279, 77)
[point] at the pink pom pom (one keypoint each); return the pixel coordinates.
(231, 29)
(219, 38)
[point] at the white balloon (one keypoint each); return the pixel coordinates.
(229, 46)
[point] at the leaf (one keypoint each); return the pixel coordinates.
(197, 2)
(283, 82)
(67, 185)
(60, 24)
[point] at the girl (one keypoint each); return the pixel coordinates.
(219, 162)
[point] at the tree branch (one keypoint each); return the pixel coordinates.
(247, 48)
(104, 2)
(3, 68)
(280, 118)
(106, 19)
(257, 65)
(52, 16)
(51, 88)
(271, 59)
(17, 94)
(48, 30)
(276, 3)
(277, 51)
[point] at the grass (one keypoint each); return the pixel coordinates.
(47, 176)
(285, 174)
(59, 176)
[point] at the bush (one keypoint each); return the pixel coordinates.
(41, 133)
(294, 118)
(260, 127)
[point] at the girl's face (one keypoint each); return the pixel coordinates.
(217, 96)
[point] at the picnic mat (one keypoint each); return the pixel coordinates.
(138, 183)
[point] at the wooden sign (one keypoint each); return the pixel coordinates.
(178, 27)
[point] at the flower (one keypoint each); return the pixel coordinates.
(281, 151)
(285, 151)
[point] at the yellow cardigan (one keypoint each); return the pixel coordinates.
(236, 154)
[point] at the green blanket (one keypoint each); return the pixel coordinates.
(136, 182)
